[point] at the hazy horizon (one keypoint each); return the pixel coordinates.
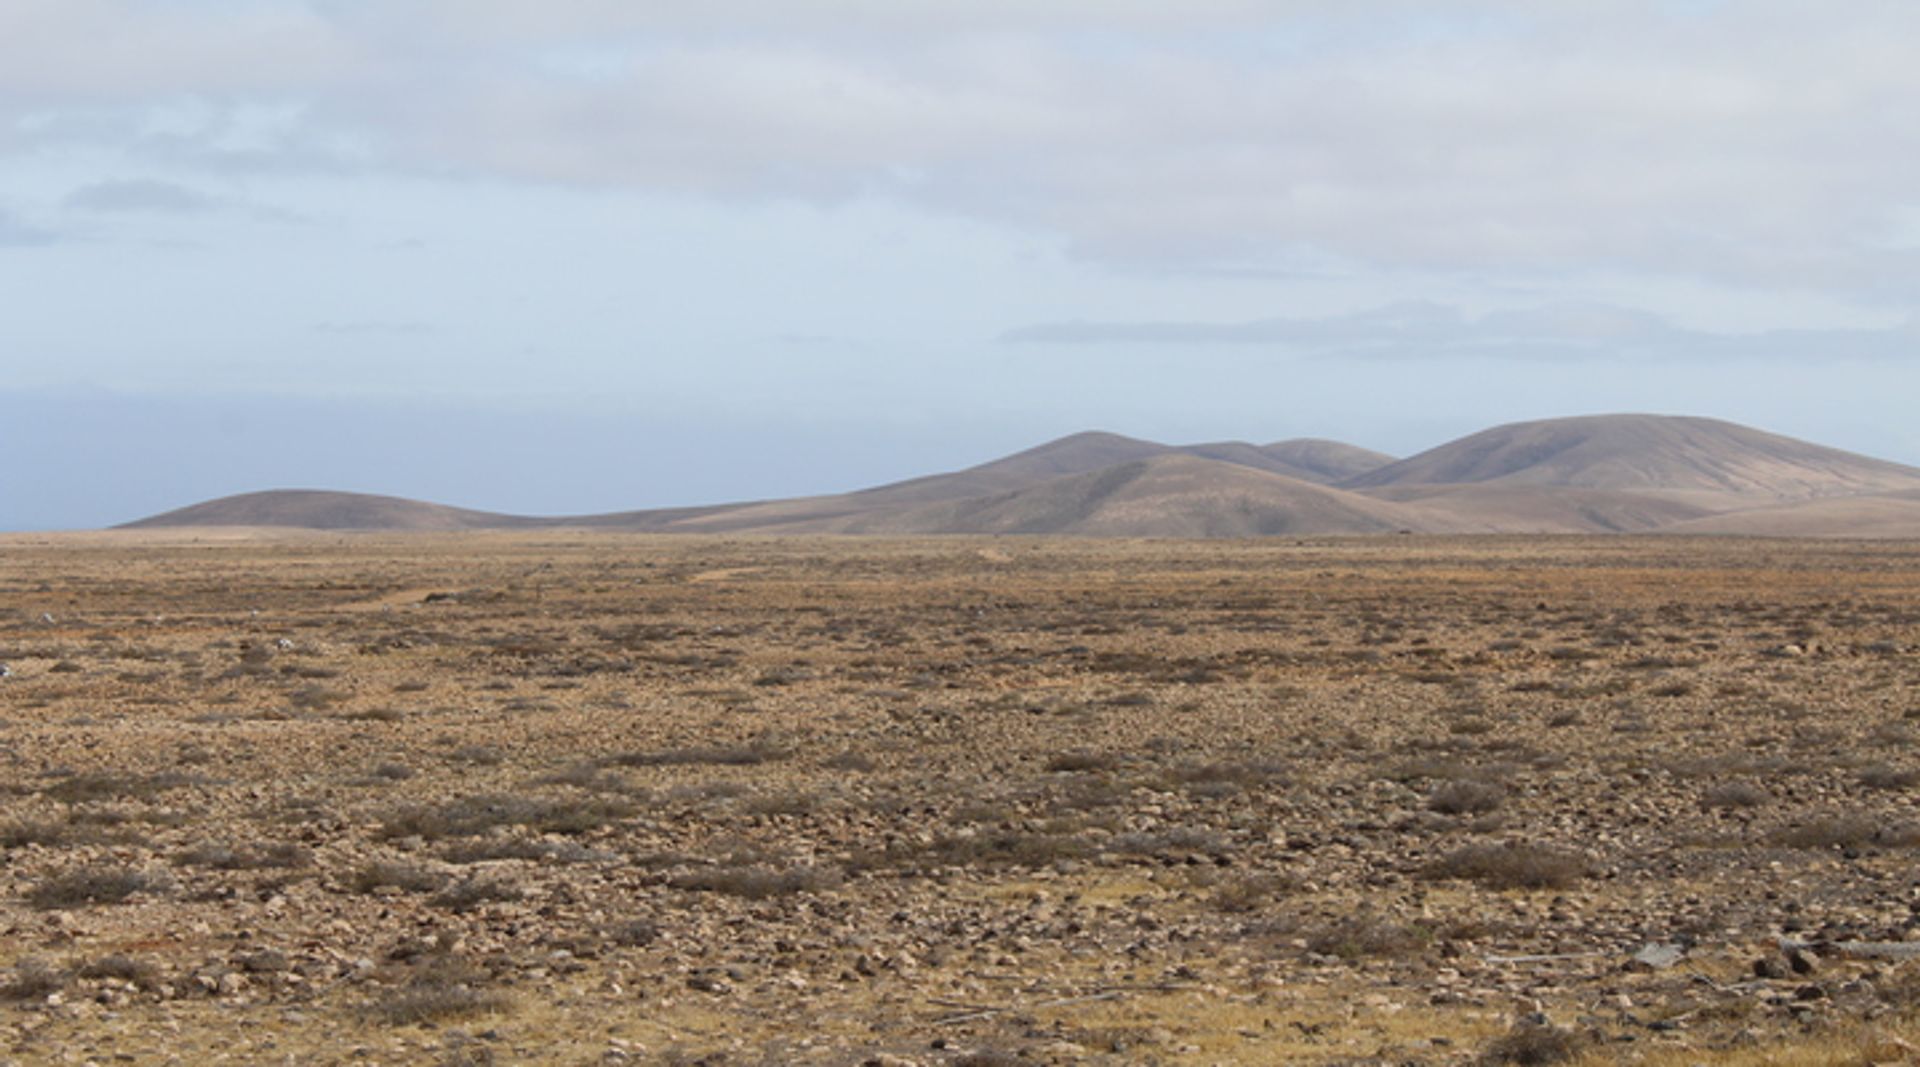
(586, 256)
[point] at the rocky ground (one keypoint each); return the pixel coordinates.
(595, 799)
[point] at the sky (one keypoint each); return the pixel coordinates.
(591, 255)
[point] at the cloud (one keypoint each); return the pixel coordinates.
(1426, 331)
(1766, 143)
(139, 196)
(15, 233)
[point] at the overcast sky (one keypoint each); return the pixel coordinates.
(582, 255)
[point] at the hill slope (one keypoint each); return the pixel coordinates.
(315, 509)
(1327, 462)
(1888, 515)
(1706, 458)
(1174, 495)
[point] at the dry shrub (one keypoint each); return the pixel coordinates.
(316, 698)
(758, 883)
(1514, 865)
(98, 884)
(1466, 796)
(80, 788)
(790, 803)
(710, 755)
(1219, 778)
(1735, 795)
(470, 894)
(634, 933)
(1883, 776)
(471, 816)
(1845, 831)
(121, 968)
(1174, 840)
(1243, 893)
(849, 761)
(45, 832)
(406, 877)
(1009, 848)
(519, 848)
(589, 776)
(1366, 935)
(34, 980)
(273, 854)
(1082, 761)
(477, 755)
(1533, 1045)
(440, 988)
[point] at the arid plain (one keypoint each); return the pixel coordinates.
(557, 797)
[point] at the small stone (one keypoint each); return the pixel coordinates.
(1657, 957)
(266, 961)
(1769, 967)
(1803, 961)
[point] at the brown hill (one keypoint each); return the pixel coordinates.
(315, 509)
(1173, 495)
(1074, 454)
(1617, 473)
(1327, 462)
(1719, 464)
(1079, 453)
(1320, 462)
(1889, 515)
(1543, 509)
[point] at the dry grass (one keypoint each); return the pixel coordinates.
(1512, 866)
(757, 883)
(98, 884)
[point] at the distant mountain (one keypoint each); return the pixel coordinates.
(315, 509)
(1706, 458)
(1327, 462)
(1593, 474)
(1075, 454)
(1172, 495)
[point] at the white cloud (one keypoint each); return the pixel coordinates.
(1765, 143)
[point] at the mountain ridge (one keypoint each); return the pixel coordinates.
(1628, 473)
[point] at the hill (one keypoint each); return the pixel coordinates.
(1328, 462)
(1888, 515)
(1717, 463)
(1594, 474)
(315, 509)
(1174, 495)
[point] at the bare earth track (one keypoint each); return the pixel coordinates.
(553, 797)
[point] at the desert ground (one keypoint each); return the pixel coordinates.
(556, 797)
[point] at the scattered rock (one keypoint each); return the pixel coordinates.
(1658, 957)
